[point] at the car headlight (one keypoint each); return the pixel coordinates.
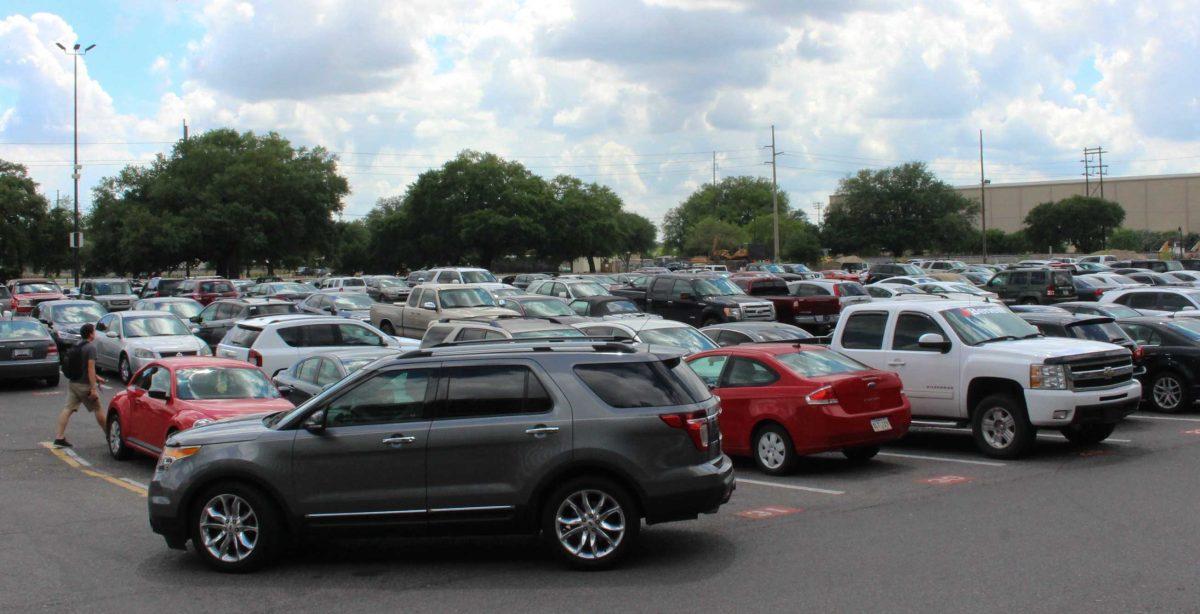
(1048, 377)
(143, 353)
(202, 422)
(733, 313)
(24, 302)
(205, 350)
(174, 454)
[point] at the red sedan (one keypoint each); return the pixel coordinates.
(174, 394)
(783, 400)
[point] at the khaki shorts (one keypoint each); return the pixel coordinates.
(77, 392)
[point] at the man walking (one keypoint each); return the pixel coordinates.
(83, 385)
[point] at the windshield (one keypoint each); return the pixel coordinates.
(548, 332)
(357, 363)
(387, 283)
(783, 333)
(503, 292)
(602, 279)
(1174, 265)
(911, 269)
(478, 277)
(21, 329)
(1116, 310)
(212, 383)
(852, 289)
(547, 308)
(588, 288)
(975, 325)
(688, 338)
(352, 301)
(76, 314)
(1186, 327)
(153, 326)
(1108, 332)
(902, 289)
(615, 307)
(183, 309)
(111, 287)
(292, 288)
(466, 297)
(1123, 280)
(716, 287)
(34, 288)
(800, 268)
(816, 363)
(773, 268)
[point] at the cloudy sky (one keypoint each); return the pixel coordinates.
(635, 94)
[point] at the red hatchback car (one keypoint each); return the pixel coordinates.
(784, 400)
(175, 394)
(205, 291)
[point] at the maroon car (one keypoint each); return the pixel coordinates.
(205, 291)
(28, 292)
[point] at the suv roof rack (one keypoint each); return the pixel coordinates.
(596, 344)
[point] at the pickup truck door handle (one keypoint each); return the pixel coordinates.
(895, 362)
(398, 440)
(541, 430)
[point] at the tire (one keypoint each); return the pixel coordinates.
(52, 381)
(388, 329)
(258, 533)
(773, 450)
(1029, 300)
(603, 541)
(1170, 392)
(124, 369)
(115, 435)
(860, 454)
(709, 321)
(1088, 434)
(1001, 427)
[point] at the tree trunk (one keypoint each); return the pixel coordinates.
(591, 263)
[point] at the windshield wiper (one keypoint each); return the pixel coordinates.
(1032, 335)
(1001, 338)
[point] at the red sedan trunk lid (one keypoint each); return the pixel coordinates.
(865, 391)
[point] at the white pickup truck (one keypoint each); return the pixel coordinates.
(979, 365)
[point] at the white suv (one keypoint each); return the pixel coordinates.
(343, 284)
(460, 275)
(274, 343)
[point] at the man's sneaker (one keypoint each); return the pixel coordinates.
(62, 443)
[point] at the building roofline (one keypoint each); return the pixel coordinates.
(1077, 181)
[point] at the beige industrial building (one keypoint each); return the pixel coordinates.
(1152, 202)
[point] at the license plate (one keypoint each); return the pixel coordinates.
(880, 425)
(25, 353)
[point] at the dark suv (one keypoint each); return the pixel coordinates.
(880, 272)
(577, 441)
(1033, 286)
(219, 316)
(1158, 266)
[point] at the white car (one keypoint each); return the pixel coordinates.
(343, 284)
(1158, 298)
(652, 332)
(959, 291)
(1100, 259)
(909, 280)
(569, 289)
(127, 340)
(274, 343)
(883, 291)
(461, 275)
(1187, 277)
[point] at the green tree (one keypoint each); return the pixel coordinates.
(635, 236)
(23, 212)
(352, 251)
(734, 200)
(53, 255)
(798, 239)
(710, 234)
(896, 209)
(588, 217)
(1082, 221)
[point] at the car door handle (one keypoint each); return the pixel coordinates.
(396, 440)
(895, 363)
(541, 430)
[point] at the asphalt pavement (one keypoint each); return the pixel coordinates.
(929, 525)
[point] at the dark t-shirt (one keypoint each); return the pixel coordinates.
(86, 352)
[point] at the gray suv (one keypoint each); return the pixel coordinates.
(578, 441)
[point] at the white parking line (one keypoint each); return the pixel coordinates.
(135, 483)
(1109, 440)
(1172, 418)
(790, 486)
(77, 458)
(964, 461)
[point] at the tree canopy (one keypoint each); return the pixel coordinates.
(733, 200)
(27, 224)
(1082, 221)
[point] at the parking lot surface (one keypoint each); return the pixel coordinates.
(929, 525)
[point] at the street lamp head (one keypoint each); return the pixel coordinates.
(76, 47)
(60, 46)
(89, 47)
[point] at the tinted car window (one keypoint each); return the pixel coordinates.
(748, 372)
(391, 396)
(245, 337)
(864, 331)
(353, 334)
(1174, 302)
(493, 391)
(909, 328)
(633, 384)
(307, 369)
(1019, 278)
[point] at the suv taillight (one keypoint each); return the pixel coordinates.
(1139, 353)
(837, 289)
(695, 423)
(1099, 292)
(1049, 290)
(822, 396)
(256, 359)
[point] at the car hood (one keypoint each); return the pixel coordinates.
(1053, 349)
(474, 312)
(166, 343)
(115, 297)
(244, 428)
(736, 300)
(220, 409)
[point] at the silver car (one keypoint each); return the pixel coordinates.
(183, 308)
(113, 294)
(127, 340)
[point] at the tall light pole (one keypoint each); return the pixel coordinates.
(75, 52)
(774, 191)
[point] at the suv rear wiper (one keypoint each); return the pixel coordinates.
(1002, 338)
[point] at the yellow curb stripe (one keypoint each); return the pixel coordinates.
(92, 472)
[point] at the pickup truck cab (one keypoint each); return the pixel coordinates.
(430, 302)
(701, 299)
(803, 303)
(980, 365)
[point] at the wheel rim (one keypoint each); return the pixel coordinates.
(125, 374)
(771, 450)
(1168, 392)
(999, 427)
(590, 524)
(114, 436)
(229, 528)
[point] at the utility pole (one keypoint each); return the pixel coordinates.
(820, 218)
(76, 240)
(982, 198)
(714, 169)
(774, 190)
(185, 129)
(1090, 169)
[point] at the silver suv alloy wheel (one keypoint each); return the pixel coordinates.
(590, 524)
(771, 450)
(229, 528)
(999, 427)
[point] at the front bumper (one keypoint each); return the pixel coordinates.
(27, 369)
(1107, 405)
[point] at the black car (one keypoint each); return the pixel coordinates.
(1153, 279)
(219, 316)
(880, 272)
(607, 307)
(64, 318)
(160, 287)
(1158, 266)
(549, 308)
(1078, 326)
(737, 333)
(27, 351)
(308, 377)
(1170, 350)
(701, 299)
(1111, 310)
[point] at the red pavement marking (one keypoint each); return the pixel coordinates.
(1087, 453)
(771, 511)
(946, 480)
(1192, 432)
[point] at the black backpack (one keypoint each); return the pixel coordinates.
(72, 366)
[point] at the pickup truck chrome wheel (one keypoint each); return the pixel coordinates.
(229, 528)
(999, 427)
(590, 524)
(771, 450)
(1168, 392)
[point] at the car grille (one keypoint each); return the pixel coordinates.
(759, 311)
(169, 354)
(1100, 373)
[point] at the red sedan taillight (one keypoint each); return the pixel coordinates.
(822, 396)
(52, 349)
(694, 423)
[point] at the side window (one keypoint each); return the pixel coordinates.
(544, 288)
(391, 396)
(143, 382)
(320, 335)
(160, 380)
(1143, 335)
(228, 311)
(292, 335)
(435, 335)
(108, 321)
(747, 372)
(414, 299)
(600, 331)
(470, 334)
(709, 369)
(306, 370)
(327, 373)
(1019, 278)
(353, 334)
(1037, 278)
(999, 279)
(560, 290)
(1174, 302)
(727, 338)
(491, 335)
(660, 289)
(679, 288)
(1139, 300)
(864, 331)
(580, 307)
(909, 328)
(492, 391)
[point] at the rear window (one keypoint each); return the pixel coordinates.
(20, 329)
(815, 363)
(270, 310)
(242, 336)
(1109, 332)
(1062, 278)
(353, 281)
(216, 286)
(635, 384)
(851, 289)
(768, 287)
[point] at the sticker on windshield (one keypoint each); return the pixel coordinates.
(981, 311)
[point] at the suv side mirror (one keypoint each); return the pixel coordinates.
(934, 341)
(315, 422)
(428, 305)
(195, 318)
